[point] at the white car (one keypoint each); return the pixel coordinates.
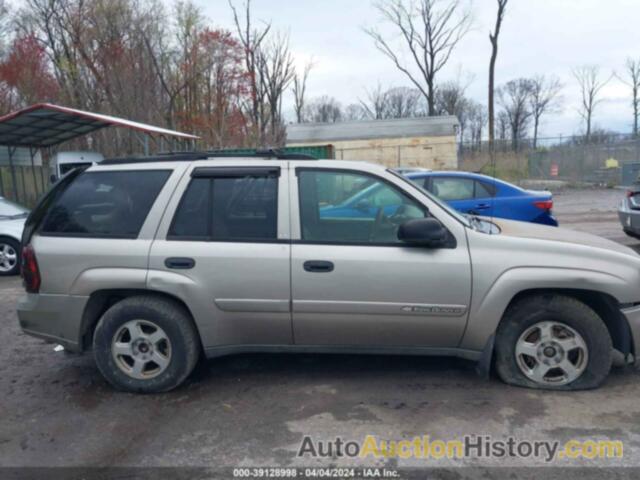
(12, 218)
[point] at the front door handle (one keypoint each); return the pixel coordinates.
(318, 266)
(482, 206)
(180, 263)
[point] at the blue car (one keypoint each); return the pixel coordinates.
(477, 194)
(469, 193)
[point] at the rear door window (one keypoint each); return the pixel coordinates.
(484, 190)
(228, 208)
(191, 220)
(452, 188)
(108, 204)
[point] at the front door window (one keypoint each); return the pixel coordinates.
(344, 207)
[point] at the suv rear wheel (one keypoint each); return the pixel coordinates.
(553, 342)
(146, 344)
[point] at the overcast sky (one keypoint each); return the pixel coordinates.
(538, 36)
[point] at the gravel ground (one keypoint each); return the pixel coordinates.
(254, 410)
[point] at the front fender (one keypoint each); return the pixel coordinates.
(490, 303)
(12, 229)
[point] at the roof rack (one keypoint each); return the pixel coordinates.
(204, 155)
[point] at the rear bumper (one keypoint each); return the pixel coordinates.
(56, 318)
(633, 319)
(546, 219)
(629, 219)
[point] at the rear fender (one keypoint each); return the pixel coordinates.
(95, 279)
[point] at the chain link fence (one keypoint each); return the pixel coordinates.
(611, 159)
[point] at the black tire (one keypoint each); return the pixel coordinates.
(16, 246)
(558, 308)
(170, 317)
(631, 233)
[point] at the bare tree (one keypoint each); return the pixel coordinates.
(394, 102)
(275, 66)
(402, 102)
(503, 126)
(545, 98)
(176, 82)
(591, 85)
(493, 38)
(251, 39)
(375, 103)
(5, 17)
(131, 58)
(324, 110)
(270, 70)
(599, 136)
(477, 114)
(300, 90)
(631, 78)
(515, 98)
(430, 30)
(451, 100)
(354, 111)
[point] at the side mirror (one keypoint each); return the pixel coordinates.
(427, 232)
(53, 178)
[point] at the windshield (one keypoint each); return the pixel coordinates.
(11, 210)
(462, 219)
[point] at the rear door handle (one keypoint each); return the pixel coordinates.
(318, 266)
(180, 263)
(482, 206)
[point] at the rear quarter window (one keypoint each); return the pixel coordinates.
(111, 204)
(420, 181)
(484, 189)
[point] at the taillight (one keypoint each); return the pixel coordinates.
(630, 193)
(544, 204)
(30, 272)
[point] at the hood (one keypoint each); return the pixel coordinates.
(12, 228)
(558, 234)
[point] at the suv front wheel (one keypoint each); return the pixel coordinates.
(553, 342)
(146, 344)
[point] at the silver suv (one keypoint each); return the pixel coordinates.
(155, 263)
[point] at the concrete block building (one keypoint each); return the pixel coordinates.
(428, 142)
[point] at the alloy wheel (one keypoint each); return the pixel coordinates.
(141, 349)
(8, 257)
(551, 353)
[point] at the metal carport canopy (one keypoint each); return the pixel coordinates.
(46, 125)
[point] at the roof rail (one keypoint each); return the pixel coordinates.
(204, 155)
